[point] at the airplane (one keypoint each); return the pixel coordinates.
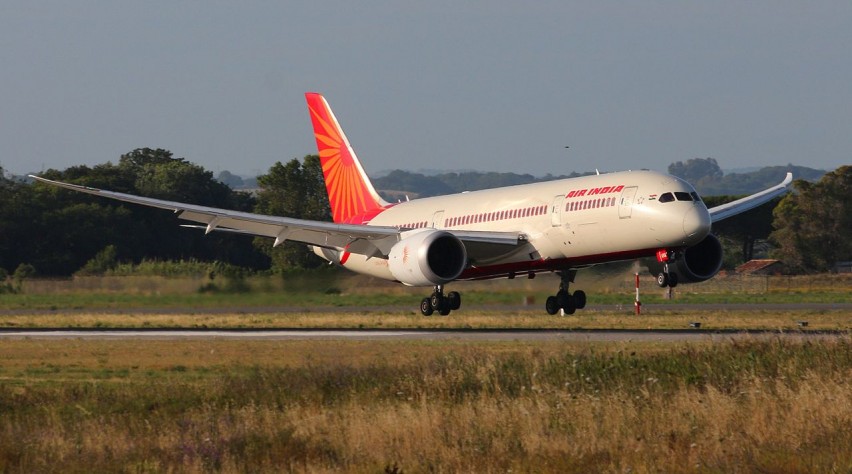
(557, 226)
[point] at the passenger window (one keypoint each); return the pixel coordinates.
(667, 197)
(682, 196)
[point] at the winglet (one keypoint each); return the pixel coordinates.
(350, 192)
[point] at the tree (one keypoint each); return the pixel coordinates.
(697, 170)
(296, 189)
(59, 230)
(230, 179)
(813, 224)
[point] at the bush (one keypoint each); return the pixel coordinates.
(102, 262)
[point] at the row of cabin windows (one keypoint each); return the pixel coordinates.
(496, 216)
(412, 225)
(589, 204)
(539, 210)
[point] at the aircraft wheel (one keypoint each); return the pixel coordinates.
(580, 299)
(454, 299)
(445, 309)
(551, 305)
(672, 280)
(570, 304)
(426, 307)
(437, 301)
(662, 280)
(563, 298)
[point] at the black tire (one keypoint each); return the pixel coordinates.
(454, 300)
(445, 309)
(437, 301)
(551, 305)
(672, 280)
(426, 307)
(580, 299)
(662, 280)
(563, 298)
(570, 305)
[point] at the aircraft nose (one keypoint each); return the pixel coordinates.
(696, 223)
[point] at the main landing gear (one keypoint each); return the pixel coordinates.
(570, 302)
(439, 302)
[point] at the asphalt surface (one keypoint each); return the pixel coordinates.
(576, 335)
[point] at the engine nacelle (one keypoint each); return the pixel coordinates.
(427, 257)
(700, 262)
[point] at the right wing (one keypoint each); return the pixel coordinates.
(750, 202)
(369, 240)
(361, 239)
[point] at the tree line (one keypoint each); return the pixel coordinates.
(57, 232)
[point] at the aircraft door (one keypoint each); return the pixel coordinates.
(437, 219)
(556, 210)
(625, 203)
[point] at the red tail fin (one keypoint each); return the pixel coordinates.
(350, 192)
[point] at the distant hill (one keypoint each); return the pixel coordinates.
(709, 179)
(746, 183)
(398, 183)
(703, 173)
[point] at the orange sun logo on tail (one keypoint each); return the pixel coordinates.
(350, 192)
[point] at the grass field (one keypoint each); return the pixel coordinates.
(343, 301)
(263, 406)
(321, 406)
(346, 290)
(474, 319)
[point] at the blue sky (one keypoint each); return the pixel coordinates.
(496, 86)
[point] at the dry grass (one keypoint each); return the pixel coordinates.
(235, 406)
(476, 318)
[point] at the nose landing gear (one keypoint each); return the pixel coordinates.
(667, 278)
(564, 299)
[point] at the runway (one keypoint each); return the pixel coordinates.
(531, 335)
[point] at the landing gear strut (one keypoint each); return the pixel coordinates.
(564, 299)
(667, 278)
(439, 302)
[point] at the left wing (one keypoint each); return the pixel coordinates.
(372, 241)
(750, 202)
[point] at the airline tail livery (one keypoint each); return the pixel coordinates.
(515, 231)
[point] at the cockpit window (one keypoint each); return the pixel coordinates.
(682, 196)
(667, 197)
(695, 196)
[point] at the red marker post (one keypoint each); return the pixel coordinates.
(637, 303)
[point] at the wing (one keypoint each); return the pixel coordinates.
(373, 241)
(750, 202)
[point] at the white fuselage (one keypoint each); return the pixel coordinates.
(568, 223)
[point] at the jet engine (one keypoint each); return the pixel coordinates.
(427, 257)
(699, 262)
